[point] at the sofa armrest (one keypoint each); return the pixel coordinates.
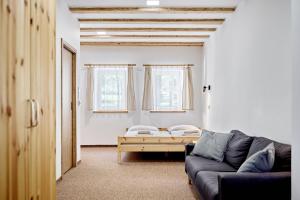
(189, 148)
(273, 185)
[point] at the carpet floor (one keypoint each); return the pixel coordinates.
(139, 176)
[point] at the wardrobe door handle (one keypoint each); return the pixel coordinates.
(35, 114)
(31, 121)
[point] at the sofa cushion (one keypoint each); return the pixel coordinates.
(212, 145)
(261, 161)
(194, 164)
(207, 185)
(282, 153)
(238, 148)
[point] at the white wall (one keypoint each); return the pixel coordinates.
(250, 71)
(67, 27)
(296, 100)
(104, 128)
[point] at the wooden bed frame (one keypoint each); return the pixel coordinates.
(150, 143)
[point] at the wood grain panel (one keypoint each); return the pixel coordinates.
(12, 140)
(22, 92)
(156, 21)
(44, 99)
(142, 43)
(157, 140)
(3, 101)
(148, 29)
(152, 10)
(67, 139)
(34, 75)
(152, 148)
(142, 36)
(51, 19)
(25, 168)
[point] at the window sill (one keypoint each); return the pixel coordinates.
(110, 111)
(167, 111)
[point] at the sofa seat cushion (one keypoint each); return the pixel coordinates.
(238, 148)
(207, 185)
(282, 153)
(194, 164)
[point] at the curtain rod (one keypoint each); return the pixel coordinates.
(172, 65)
(108, 65)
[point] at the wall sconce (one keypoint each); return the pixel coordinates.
(209, 87)
(206, 88)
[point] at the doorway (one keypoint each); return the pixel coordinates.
(68, 107)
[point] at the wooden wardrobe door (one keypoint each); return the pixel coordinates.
(14, 93)
(46, 98)
(67, 139)
(27, 153)
(4, 66)
(42, 165)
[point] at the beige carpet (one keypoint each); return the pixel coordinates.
(140, 176)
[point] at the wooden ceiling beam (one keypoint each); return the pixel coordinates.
(152, 10)
(147, 29)
(142, 43)
(130, 21)
(142, 36)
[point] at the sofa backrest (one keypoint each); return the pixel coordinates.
(282, 153)
(238, 148)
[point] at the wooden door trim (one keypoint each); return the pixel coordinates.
(72, 50)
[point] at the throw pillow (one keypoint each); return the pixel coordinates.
(261, 161)
(212, 145)
(282, 153)
(238, 148)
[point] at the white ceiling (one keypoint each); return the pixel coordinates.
(149, 15)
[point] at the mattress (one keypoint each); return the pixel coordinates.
(185, 133)
(161, 134)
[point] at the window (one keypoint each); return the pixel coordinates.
(167, 88)
(110, 89)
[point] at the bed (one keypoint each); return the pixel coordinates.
(162, 141)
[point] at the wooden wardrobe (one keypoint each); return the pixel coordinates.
(27, 99)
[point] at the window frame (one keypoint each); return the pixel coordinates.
(155, 110)
(99, 110)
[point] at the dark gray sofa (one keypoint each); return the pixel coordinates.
(219, 181)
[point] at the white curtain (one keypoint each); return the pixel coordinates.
(187, 92)
(90, 88)
(131, 104)
(148, 90)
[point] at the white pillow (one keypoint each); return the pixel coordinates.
(183, 128)
(143, 128)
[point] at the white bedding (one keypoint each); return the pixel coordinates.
(184, 133)
(152, 133)
(162, 133)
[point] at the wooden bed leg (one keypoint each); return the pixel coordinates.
(119, 156)
(189, 181)
(119, 150)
